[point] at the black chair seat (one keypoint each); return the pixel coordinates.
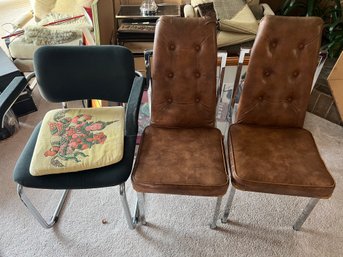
(101, 177)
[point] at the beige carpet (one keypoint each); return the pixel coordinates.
(178, 225)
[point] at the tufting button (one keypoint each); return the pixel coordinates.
(289, 99)
(273, 44)
(197, 100)
(260, 98)
(295, 73)
(301, 46)
(197, 48)
(170, 75)
(171, 47)
(169, 100)
(266, 73)
(197, 74)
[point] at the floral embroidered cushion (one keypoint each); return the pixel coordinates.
(72, 140)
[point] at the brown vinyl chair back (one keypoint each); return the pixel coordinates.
(280, 72)
(190, 61)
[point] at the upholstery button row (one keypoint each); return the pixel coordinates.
(196, 74)
(289, 99)
(172, 47)
(169, 100)
(274, 43)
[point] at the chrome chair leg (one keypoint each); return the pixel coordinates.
(305, 213)
(35, 212)
(213, 224)
(228, 204)
(141, 207)
(130, 221)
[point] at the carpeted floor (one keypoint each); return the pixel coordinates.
(177, 225)
(260, 224)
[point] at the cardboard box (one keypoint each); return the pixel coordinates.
(335, 80)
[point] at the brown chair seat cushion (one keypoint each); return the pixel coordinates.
(181, 161)
(277, 160)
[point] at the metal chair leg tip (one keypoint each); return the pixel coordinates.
(213, 226)
(224, 221)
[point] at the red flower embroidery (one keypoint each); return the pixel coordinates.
(75, 135)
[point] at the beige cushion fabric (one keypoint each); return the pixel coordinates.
(73, 140)
(70, 7)
(195, 3)
(243, 22)
(225, 38)
(20, 49)
(42, 7)
(188, 11)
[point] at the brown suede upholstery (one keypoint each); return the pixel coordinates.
(181, 152)
(280, 73)
(277, 160)
(184, 73)
(181, 161)
(269, 150)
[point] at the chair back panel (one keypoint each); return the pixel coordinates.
(280, 71)
(184, 73)
(67, 73)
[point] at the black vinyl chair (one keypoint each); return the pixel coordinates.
(68, 73)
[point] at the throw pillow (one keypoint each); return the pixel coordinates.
(227, 9)
(255, 7)
(235, 16)
(73, 140)
(195, 3)
(207, 9)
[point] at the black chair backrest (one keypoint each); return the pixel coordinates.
(67, 73)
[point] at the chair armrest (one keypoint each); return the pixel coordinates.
(188, 11)
(267, 10)
(133, 105)
(10, 94)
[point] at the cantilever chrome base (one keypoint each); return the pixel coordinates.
(35, 212)
(297, 225)
(49, 224)
(140, 211)
(131, 221)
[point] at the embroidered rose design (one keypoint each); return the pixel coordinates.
(71, 136)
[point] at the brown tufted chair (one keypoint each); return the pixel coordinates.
(269, 150)
(181, 151)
